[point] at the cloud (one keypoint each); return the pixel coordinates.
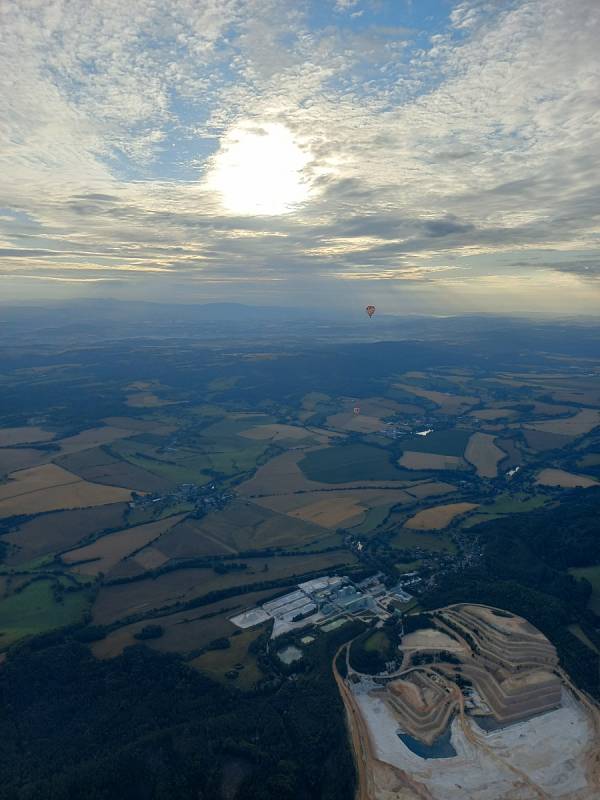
(479, 148)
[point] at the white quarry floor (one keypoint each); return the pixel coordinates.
(549, 749)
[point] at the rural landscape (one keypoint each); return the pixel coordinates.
(155, 487)
(299, 400)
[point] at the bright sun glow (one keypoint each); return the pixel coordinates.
(259, 170)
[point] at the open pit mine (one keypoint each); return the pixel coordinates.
(476, 707)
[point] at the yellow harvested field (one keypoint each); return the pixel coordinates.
(106, 552)
(373, 410)
(25, 435)
(330, 509)
(359, 423)
(494, 413)
(551, 409)
(422, 490)
(413, 460)
(330, 512)
(484, 454)
(30, 480)
(438, 517)
(150, 558)
(276, 433)
(567, 480)
(50, 488)
(147, 400)
(379, 406)
(93, 437)
(448, 403)
(368, 498)
(583, 422)
(282, 475)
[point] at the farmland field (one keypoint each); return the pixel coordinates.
(34, 610)
(583, 422)
(245, 525)
(217, 663)
(492, 414)
(92, 438)
(407, 539)
(345, 464)
(349, 421)
(184, 631)
(142, 596)
(424, 490)
(451, 442)
(99, 466)
(24, 435)
(50, 488)
(426, 461)
(106, 552)
(566, 480)
(277, 433)
(147, 400)
(438, 517)
(541, 440)
(332, 508)
(60, 530)
(448, 403)
(505, 504)
(484, 454)
(21, 458)
(282, 475)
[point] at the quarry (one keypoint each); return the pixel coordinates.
(475, 707)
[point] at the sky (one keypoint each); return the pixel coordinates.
(427, 156)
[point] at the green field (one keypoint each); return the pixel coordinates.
(369, 652)
(506, 504)
(407, 540)
(377, 643)
(198, 452)
(375, 517)
(448, 443)
(353, 462)
(216, 663)
(152, 513)
(591, 574)
(35, 610)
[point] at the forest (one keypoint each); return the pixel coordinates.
(144, 725)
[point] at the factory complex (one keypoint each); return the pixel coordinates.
(322, 599)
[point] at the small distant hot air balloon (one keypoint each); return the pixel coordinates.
(357, 409)
(370, 310)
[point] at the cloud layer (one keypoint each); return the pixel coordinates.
(447, 161)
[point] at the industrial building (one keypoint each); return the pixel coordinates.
(322, 599)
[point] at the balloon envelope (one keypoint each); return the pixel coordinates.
(370, 310)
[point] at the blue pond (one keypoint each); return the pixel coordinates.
(441, 747)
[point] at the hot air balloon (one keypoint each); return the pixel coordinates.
(370, 310)
(357, 409)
